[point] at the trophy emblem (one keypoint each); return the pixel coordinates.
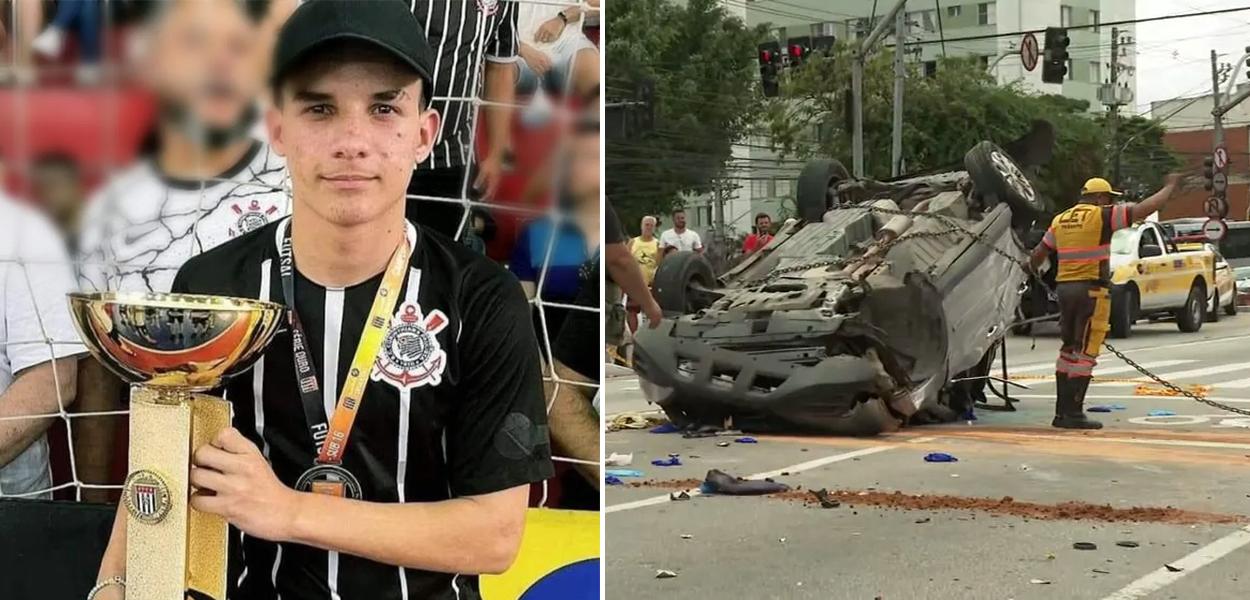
(169, 348)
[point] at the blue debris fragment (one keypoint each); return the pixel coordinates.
(939, 457)
(610, 480)
(665, 428)
(624, 473)
(747, 440)
(671, 461)
(1161, 413)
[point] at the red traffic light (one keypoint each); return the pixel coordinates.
(796, 51)
(766, 56)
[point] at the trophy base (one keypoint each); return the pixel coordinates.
(170, 547)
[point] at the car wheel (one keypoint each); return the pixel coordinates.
(1124, 307)
(1189, 318)
(815, 190)
(1213, 311)
(995, 173)
(675, 279)
(1231, 309)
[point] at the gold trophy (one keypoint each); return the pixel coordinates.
(167, 347)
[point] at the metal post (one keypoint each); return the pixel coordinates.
(1114, 116)
(857, 92)
(857, 85)
(900, 41)
(1218, 126)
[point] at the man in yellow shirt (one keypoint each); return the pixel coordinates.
(1081, 238)
(646, 250)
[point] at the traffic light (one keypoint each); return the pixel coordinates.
(798, 49)
(1055, 55)
(1208, 173)
(770, 65)
(796, 54)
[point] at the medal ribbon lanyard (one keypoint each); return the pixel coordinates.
(330, 439)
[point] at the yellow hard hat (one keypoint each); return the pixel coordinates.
(1098, 185)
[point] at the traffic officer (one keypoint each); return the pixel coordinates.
(1081, 238)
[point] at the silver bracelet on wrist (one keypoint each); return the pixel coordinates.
(105, 583)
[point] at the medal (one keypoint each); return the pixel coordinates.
(331, 480)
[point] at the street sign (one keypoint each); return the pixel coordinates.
(1221, 157)
(1028, 52)
(1216, 208)
(1214, 229)
(1219, 182)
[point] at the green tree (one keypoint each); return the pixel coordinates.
(702, 61)
(946, 114)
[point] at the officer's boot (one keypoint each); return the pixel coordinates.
(1074, 417)
(1062, 398)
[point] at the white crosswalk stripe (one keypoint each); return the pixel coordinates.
(1102, 371)
(1188, 374)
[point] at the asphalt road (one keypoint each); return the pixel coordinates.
(775, 547)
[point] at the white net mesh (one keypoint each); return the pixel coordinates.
(21, 72)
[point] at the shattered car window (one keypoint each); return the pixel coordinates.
(1122, 241)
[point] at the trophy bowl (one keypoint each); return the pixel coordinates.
(178, 343)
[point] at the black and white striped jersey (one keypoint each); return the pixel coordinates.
(464, 35)
(457, 412)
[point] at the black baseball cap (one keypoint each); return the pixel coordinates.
(387, 24)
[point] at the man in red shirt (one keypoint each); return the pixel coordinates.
(761, 237)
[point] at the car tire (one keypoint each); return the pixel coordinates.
(1124, 307)
(1190, 317)
(1231, 309)
(676, 273)
(994, 172)
(814, 192)
(870, 417)
(1213, 311)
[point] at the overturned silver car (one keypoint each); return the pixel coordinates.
(854, 319)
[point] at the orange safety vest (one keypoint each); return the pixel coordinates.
(1081, 236)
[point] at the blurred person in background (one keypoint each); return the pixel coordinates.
(84, 18)
(57, 187)
(646, 250)
(573, 417)
(556, 56)
(475, 46)
(679, 239)
(15, 57)
(206, 180)
(762, 234)
(36, 378)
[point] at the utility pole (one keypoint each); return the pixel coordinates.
(1113, 117)
(900, 39)
(1217, 128)
(857, 85)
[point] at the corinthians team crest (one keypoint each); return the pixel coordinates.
(251, 218)
(146, 497)
(410, 355)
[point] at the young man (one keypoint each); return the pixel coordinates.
(206, 181)
(761, 236)
(679, 238)
(409, 341)
(1081, 238)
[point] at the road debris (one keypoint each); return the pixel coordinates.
(679, 496)
(822, 496)
(1160, 413)
(939, 457)
(613, 480)
(1085, 546)
(632, 421)
(624, 473)
(665, 428)
(1039, 581)
(924, 520)
(720, 482)
(1127, 544)
(1173, 568)
(687, 536)
(1103, 571)
(664, 574)
(747, 440)
(618, 460)
(672, 461)
(723, 444)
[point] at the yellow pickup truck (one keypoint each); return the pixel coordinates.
(1151, 277)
